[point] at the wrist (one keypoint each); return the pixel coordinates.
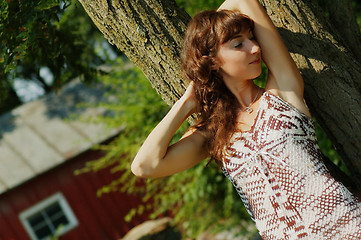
(187, 105)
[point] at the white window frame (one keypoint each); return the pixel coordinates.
(57, 197)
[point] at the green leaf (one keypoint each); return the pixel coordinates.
(46, 4)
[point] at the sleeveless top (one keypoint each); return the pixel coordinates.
(277, 169)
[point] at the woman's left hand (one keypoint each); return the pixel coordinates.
(189, 97)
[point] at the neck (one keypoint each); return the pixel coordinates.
(244, 91)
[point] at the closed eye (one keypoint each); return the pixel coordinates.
(238, 45)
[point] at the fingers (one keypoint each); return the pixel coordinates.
(189, 96)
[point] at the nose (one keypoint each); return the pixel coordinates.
(254, 48)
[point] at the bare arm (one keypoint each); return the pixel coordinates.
(284, 78)
(156, 158)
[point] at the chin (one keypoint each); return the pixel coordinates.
(256, 74)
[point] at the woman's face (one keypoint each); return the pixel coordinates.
(240, 57)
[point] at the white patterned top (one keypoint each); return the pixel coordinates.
(277, 169)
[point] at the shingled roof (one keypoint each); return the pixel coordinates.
(39, 135)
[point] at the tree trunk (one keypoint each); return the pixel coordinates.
(150, 33)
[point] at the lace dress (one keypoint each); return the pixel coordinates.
(277, 170)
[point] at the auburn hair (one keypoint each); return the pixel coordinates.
(218, 106)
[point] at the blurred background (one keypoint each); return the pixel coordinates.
(73, 113)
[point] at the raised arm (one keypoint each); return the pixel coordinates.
(156, 158)
(284, 77)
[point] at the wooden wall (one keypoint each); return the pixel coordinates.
(99, 218)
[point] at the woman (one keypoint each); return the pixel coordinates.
(263, 139)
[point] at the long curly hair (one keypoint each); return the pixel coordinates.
(218, 106)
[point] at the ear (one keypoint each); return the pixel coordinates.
(215, 68)
(216, 65)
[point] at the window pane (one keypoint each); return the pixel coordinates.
(36, 220)
(56, 216)
(43, 232)
(60, 222)
(53, 209)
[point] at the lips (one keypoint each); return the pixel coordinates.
(257, 61)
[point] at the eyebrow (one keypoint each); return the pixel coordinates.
(236, 36)
(239, 35)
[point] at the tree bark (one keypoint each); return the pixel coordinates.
(150, 33)
(344, 21)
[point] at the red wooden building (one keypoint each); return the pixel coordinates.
(39, 151)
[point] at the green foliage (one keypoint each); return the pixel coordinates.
(261, 79)
(356, 6)
(193, 7)
(46, 33)
(24, 27)
(135, 106)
